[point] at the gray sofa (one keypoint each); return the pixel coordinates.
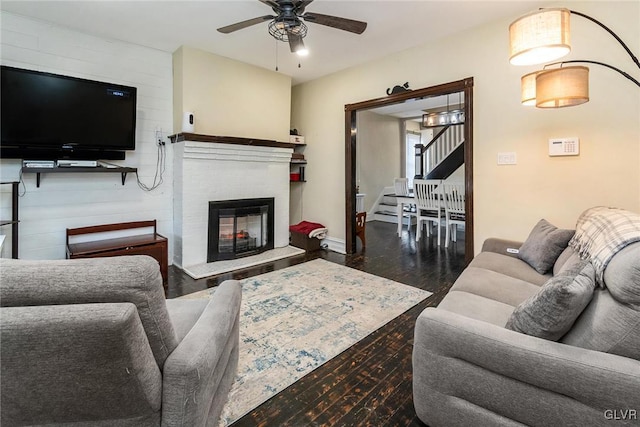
(468, 369)
(94, 342)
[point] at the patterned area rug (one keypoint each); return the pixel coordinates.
(295, 319)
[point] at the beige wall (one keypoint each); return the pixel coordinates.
(230, 98)
(378, 147)
(509, 200)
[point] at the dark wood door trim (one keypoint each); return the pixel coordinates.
(351, 129)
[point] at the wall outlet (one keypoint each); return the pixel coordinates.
(159, 136)
(509, 158)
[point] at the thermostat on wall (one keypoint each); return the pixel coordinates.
(564, 146)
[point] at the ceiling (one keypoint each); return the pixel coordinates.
(393, 26)
(415, 108)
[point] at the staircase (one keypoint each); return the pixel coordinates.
(440, 158)
(385, 207)
(449, 164)
(443, 155)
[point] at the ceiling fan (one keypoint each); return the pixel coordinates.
(287, 26)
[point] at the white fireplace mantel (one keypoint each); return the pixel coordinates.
(207, 171)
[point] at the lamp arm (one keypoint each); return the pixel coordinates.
(597, 63)
(607, 29)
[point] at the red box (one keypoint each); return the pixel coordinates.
(294, 177)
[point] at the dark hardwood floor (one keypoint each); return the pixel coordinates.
(369, 383)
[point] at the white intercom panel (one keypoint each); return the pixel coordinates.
(564, 146)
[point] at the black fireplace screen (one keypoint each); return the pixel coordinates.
(239, 228)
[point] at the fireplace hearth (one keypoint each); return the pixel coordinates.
(239, 228)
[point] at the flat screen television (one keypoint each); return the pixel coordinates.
(47, 116)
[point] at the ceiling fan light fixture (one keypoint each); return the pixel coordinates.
(297, 46)
(281, 28)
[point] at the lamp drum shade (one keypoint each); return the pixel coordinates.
(540, 36)
(562, 87)
(528, 89)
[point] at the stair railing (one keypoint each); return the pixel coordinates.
(428, 156)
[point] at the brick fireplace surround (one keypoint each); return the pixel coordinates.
(210, 168)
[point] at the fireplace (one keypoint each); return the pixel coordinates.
(239, 228)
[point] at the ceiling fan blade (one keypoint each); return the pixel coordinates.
(244, 24)
(345, 24)
(295, 43)
(272, 4)
(300, 6)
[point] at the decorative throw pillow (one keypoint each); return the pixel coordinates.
(551, 312)
(544, 245)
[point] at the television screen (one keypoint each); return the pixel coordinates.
(45, 115)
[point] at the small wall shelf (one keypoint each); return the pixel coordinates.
(100, 169)
(298, 164)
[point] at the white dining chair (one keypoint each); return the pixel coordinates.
(401, 187)
(454, 208)
(427, 193)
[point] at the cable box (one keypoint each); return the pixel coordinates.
(77, 163)
(39, 164)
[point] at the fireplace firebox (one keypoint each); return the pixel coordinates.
(239, 228)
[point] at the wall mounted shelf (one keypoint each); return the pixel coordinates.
(100, 169)
(298, 164)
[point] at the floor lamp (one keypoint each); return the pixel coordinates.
(542, 36)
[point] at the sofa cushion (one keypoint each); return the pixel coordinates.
(567, 260)
(622, 275)
(476, 307)
(601, 232)
(495, 286)
(611, 322)
(509, 266)
(544, 245)
(184, 313)
(551, 312)
(607, 326)
(78, 364)
(134, 279)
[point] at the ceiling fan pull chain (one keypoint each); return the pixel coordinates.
(276, 55)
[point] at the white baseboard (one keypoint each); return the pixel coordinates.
(335, 245)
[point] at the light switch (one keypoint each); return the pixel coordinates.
(509, 158)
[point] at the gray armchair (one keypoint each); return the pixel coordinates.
(94, 342)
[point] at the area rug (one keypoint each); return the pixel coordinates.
(200, 271)
(295, 319)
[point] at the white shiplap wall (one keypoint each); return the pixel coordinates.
(77, 200)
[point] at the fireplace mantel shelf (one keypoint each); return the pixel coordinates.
(183, 136)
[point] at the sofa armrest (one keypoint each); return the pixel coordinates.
(194, 370)
(528, 379)
(502, 246)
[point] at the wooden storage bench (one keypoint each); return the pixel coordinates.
(302, 241)
(152, 244)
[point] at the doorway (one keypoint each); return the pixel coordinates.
(351, 131)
